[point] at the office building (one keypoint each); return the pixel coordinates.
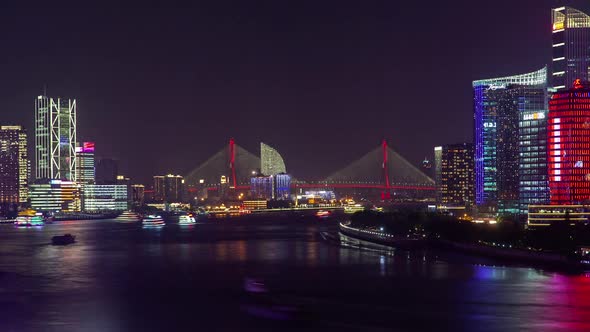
(104, 197)
(454, 175)
(271, 162)
(569, 145)
(14, 165)
(261, 187)
(55, 138)
(85, 169)
(107, 170)
(55, 196)
(571, 47)
(501, 106)
(272, 187)
(168, 188)
(281, 184)
(137, 195)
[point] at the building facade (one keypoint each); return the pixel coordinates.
(85, 168)
(569, 145)
(14, 165)
(261, 187)
(281, 186)
(454, 175)
(104, 197)
(168, 188)
(55, 138)
(506, 141)
(137, 194)
(271, 162)
(571, 47)
(55, 196)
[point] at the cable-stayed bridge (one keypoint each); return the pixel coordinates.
(382, 168)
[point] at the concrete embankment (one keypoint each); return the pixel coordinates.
(492, 251)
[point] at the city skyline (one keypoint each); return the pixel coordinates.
(115, 112)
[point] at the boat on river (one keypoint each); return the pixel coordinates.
(153, 220)
(29, 218)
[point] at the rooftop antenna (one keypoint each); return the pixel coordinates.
(45, 90)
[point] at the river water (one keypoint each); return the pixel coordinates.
(122, 277)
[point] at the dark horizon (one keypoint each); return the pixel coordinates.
(163, 89)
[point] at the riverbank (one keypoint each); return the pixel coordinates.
(500, 252)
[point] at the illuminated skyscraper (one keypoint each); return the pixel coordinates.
(510, 149)
(454, 174)
(14, 165)
(569, 145)
(168, 188)
(571, 47)
(85, 171)
(55, 138)
(271, 162)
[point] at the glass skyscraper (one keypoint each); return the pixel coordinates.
(510, 146)
(55, 138)
(569, 146)
(571, 47)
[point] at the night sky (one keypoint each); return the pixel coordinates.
(163, 88)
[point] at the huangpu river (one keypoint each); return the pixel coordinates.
(266, 274)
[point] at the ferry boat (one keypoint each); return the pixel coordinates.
(128, 216)
(186, 219)
(323, 214)
(28, 218)
(153, 221)
(352, 208)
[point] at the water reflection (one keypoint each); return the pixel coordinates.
(111, 277)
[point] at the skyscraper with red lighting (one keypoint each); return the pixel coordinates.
(569, 145)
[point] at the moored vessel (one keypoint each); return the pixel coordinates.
(29, 218)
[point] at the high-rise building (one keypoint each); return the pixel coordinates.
(85, 170)
(569, 145)
(55, 138)
(506, 140)
(125, 181)
(107, 171)
(168, 188)
(55, 196)
(438, 171)
(281, 186)
(261, 187)
(571, 47)
(137, 194)
(271, 162)
(14, 165)
(454, 175)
